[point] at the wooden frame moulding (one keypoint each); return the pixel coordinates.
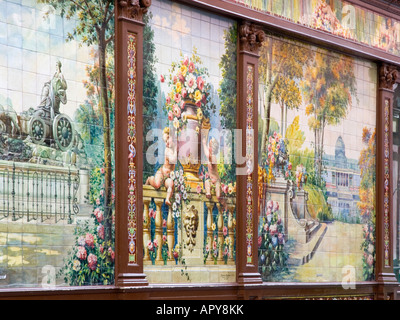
(129, 142)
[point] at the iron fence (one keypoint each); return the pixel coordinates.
(38, 194)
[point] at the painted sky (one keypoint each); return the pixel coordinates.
(30, 45)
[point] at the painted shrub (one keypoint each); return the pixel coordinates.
(317, 116)
(189, 177)
(56, 106)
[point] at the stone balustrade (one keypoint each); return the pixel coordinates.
(201, 242)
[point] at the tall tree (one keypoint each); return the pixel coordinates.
(227, 92)
(328, 85)
(150, 89)
(280, 67)
(95, 26)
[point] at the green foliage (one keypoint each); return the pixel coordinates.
(91, 260)
(227, 95)
(92, 16)
(150, 89)
(272, 256)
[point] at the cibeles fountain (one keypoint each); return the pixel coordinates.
(42, 158)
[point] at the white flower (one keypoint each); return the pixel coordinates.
(178, 198)
(174, 207)
(191, 83)
(182, 188)
(184, 196)
(172, 175)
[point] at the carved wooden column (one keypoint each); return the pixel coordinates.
(384, 185)
(250, 38)
(128, 141)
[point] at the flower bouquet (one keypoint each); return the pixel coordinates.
(189, 96)
(276, 160)
(271, 242)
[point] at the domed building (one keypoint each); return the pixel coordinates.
(342, 176)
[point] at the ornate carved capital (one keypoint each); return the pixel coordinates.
(251, 37)
(387, 76)
(133, 9)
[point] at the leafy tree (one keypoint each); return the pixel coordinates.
(95, 27)
(366, 204)
(328, 85)
(280, 68)
(150, 88)
(227, 92)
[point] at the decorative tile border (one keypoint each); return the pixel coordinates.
(386, 202)
(132, 212)
(249, 162)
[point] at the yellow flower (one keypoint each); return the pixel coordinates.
(178, 87)
(183, 70)
(213, 226)
(199, 114)
(198, 96)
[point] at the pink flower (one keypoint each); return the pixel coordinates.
(170, 116)
(198, 189)
(176, 254)
(191, 82)
(155, 243)
(370, 260)
(99, 215)
(191, 67)
(168, 100)
(81, 254)
(200, 83)
(184, 93)
(150, 246)
(162, 79)
(270, 204)
(181, 77)
(185, 61)
(101, 249)
(164, 223)
(290, 166)
(226, 188)
(164, 238)
(259, 241)
(102, 170)
(89, 240)
(100, 231)
(92, 261)
(111, 253)
(225, 230)
(175, 80)
(152, 213)
(177, 98)
(182, 105)
(176, 111)
(273, 229)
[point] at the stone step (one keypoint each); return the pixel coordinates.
(304, 252)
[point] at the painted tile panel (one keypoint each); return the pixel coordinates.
(189, 190)
(337, 17)
(317, 118)
(56, 186)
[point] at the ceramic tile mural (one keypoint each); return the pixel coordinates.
(317, 117)
(56, 145)
(189, 117)
(338, 17)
